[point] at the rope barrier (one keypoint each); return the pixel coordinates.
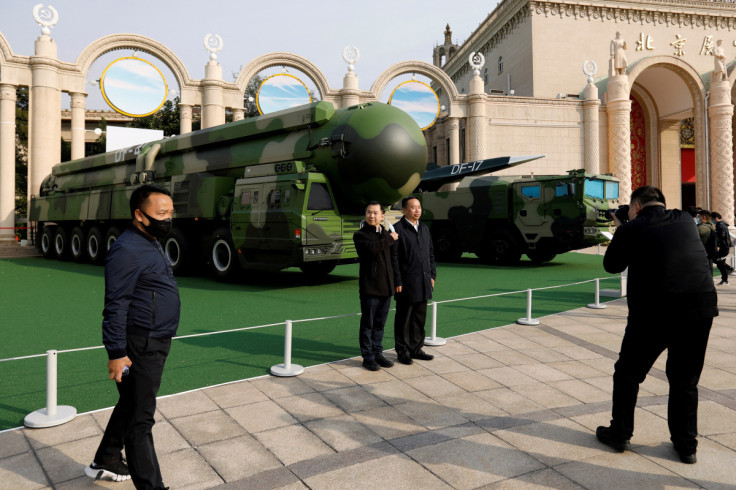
(303, 320)
(54, 415)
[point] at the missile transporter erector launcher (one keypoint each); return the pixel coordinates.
(270, 192)
(501, 218)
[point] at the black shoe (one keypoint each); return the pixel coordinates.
(722, 282)
(405, 359)
(370, 365)
(422, 356)
(687, 457)
(112, 472)
(383, 362)
(606, 436)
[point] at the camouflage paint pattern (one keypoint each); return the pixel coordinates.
(540, 216)
(358, 154)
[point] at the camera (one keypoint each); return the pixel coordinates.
(622, 213)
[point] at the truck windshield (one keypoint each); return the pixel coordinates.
(319, 197)
(594, 188)
(611, 190)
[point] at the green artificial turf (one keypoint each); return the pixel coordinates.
(58, 305)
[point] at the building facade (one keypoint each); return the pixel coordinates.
(653, 106)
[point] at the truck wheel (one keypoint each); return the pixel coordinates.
(318, 268)
(61, 243)
(223, 260)
(95, 250)
(111, 236)
(47, 242)
(501, 249)
(176, 249)
(446, 248)
(76, 244)
(540, 255)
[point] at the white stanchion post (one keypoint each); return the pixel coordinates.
(52, 415)
(434, 340)
(287, 368)
(528, 320)
(597, 305)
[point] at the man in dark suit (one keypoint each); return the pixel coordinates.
(417, 272)
(378, 274)
(672, 302)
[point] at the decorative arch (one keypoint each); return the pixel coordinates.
(6, 53)
(697, 88)
(421, 68)
(144, 44)
(283, 59)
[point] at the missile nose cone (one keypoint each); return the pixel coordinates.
(385, 155)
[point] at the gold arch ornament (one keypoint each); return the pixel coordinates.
(118, 91)
(266, 102)
(410, 107)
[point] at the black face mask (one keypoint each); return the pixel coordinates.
(158, 228)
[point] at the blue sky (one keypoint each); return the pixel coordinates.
(385, 32)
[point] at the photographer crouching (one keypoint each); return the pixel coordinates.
(672, 301)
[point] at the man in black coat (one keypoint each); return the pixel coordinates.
(672, 302)
(378, 274)
(141, 316)
(724, 245)
(417, 272)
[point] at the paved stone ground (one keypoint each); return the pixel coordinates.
(509, 407)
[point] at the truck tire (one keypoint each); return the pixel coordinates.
(222, 257)
(318, 268)
(110, 237)
(95, 248)
(47, 242)
(77, 245)
(500, 248)
(61, 243)
(176, 249)
(446, 248)
(540, 255)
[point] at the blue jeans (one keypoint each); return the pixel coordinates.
(374, 311)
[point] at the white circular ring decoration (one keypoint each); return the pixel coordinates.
(589, 69)
(476, 60)
(46, 17)
(213, 45)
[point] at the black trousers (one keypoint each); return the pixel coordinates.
(132, 421)
(373, 314)
(723, 267)
(685, 336)
(409, 326)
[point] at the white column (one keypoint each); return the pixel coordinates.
(79, 104)
(720, 114)
(7, 161)
(185, 118)
(44, 114)
(213, 108)
(591, 106)
(238, 114)
(349, 95)
(477, 121)
(618, 110)
(453, 129)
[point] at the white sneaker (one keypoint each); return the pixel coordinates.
(109, 472)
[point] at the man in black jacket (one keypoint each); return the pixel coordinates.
(141, 316)
(417, 272)
(378, 269)
(724, 245)
(672, 302)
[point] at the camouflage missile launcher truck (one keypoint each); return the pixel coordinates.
(501, 218)
(270, 192)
